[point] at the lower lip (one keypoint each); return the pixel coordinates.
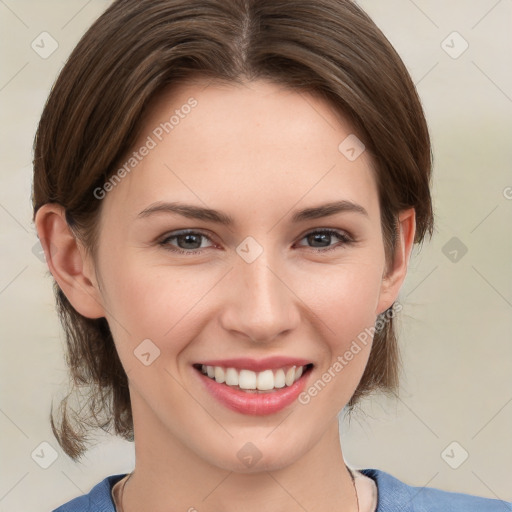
(254, 403)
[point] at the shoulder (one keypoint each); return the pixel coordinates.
(98, 499)
(396, 496)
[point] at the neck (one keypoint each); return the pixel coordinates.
(168, 473)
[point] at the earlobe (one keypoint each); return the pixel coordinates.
(67, 261)
(397, 270)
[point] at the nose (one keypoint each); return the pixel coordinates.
(260, 305)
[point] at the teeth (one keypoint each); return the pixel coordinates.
(290, 376)
(265, 380)
(231, 377)
(219, 374)
(279, 379)
(247, 379)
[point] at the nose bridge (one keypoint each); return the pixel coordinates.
(261, 306)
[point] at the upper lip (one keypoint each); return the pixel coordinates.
(257, 365)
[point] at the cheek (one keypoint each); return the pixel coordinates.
(158, 303)
(344, 302)
(344, 297)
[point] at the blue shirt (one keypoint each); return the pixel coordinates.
(393, 496)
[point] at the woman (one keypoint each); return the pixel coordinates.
(228, 193)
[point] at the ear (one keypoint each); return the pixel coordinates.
(397, 269)
(68, 261)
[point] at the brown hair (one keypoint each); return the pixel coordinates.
(139, 47)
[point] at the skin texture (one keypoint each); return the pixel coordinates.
(257, 152)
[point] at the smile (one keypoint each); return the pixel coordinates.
(248, 380)
(254, 388)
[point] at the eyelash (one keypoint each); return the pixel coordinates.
(345, 240)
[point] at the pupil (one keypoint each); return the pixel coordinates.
(190, 239)
(319, 236)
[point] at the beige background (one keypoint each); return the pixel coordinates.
(456, 328)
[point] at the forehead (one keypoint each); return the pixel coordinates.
(218, 142)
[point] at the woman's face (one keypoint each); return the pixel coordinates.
(261, 294)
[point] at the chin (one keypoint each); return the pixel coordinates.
(256, 455)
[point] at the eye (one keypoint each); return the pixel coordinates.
(323, 236)
(187, 241)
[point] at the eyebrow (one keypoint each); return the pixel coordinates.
(208, 214)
